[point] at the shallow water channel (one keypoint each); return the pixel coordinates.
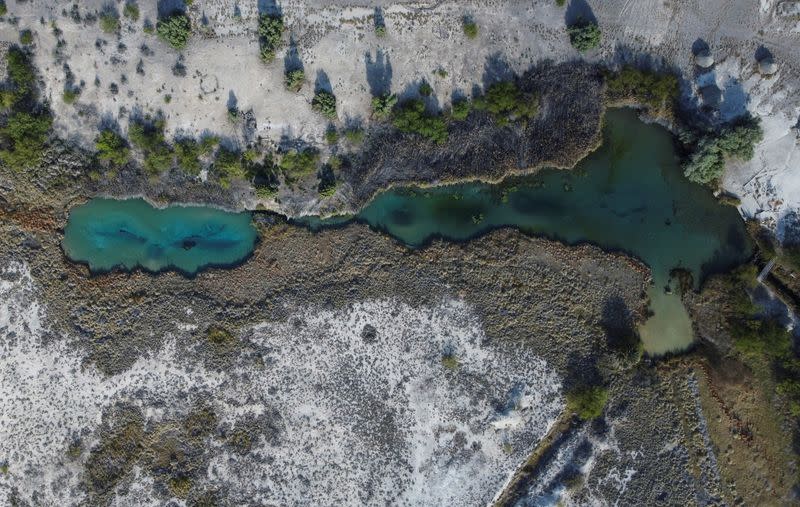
(629, 195)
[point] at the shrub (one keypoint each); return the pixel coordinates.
(450, 361)
(470, 28)
(506, 102)
(131, 11)
(425, 89)
(324, 102)
(411, 117)
(355, 135)
(111, 148)
(294, 80)
(299, 162)
(3, 8)
(587, 401)
(187, 152)
(382, 105)
(70, 95)
(26, 37)
(331, 135)
(175, 30)
(21, 74)
(657, 91)
(109, 21)
(380, 30)
(461, 109)
(270, 29)
(228, 166)
(26, 135)
(584, 35)
(327, 179)
(707, 163)
(149, 138)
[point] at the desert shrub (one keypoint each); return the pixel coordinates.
(380, 30)
(470, 28)
(25, 135)
(707, 163)
(411, 117)
(131, 11)
(294, 79)
(111, 148)
(175, 30)
(149, 138)
(270, 29)
(425, 89)
(587, 401)
(506, 102)
(228, 166)
(354, 135)
(3, 8)
(296, 162)
(70, 95)
(109, 21)
(655, 90)
(187, 153)
(25, 37)
(382, 105)
(461, 109)
(324, 102)
(584, 35)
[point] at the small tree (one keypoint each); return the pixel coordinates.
(111, 148)
(584, 35)
(175, 30)
(324, 102)
(294, 80)
(587, 401)
(270, 29)
(461, 109)
(506, 102)
(382, 105)
(411, 117)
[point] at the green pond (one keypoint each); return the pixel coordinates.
(108, 234)
(629, 195)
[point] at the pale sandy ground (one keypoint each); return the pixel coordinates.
(338, 38)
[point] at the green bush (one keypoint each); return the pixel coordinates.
(270, 30)
(109, 21)
(587, 401)
(707, 163)
(331, 135)
(22, 76)
(26, 135)
(354, 135)
(382, 105)
(380, 30)
(425, 89)
(324, 102)
(657, 91)
(149, 138)
(112, 148)
(294, 80)
(228, 166)
(461, 109)
(175, 30)
(26, 37)
(584, 35)
(3, 8)
(187, 153)
(470, 28)
(506, 102)
(299, 162)
(412, 118)
(131, 11)
(70, 95)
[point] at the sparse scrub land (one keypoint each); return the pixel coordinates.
(270, 30)
(707, 163)
(507, 103)
(584, 35)
(587, 401)
(411, 117)
(657, 91)
(324, 102)
(175, 30)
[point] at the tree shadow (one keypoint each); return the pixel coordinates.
(380, 21)
(322, 83)
(579, 11)
(734, 100)
(166, 8)
(292, 60)
(700, 46)
(412, 92)
(379, 73)
(269, 7)
(762, 53)
(617, 322)
(496, 69)
(233, 102)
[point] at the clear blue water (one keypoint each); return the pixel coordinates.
(127, 234)
(629, 195)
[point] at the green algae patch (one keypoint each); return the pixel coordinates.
(109, 234)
